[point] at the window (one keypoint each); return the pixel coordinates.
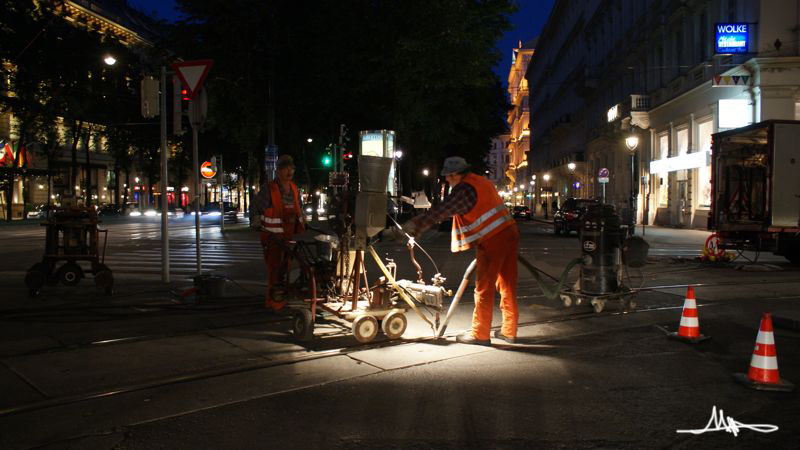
(704, 131)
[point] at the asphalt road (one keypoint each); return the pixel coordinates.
(149, 369)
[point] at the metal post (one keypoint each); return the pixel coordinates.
(632, 202)
(164, 180)
(196, 170)
(221, 200)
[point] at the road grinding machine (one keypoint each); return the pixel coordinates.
(330, 275)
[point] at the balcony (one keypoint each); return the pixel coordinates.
(640, 102)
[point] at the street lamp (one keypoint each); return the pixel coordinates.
(425, 172)
(571, 166)
(109, 60)
(632, 142)
(309, 140)
(546, 178)
(398, 154)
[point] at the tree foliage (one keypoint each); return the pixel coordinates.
(422, 68)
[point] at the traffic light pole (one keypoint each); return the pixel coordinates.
(164, 180)
(196, 180)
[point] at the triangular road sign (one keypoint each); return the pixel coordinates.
(192, 74)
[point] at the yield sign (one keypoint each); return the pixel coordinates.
(192, 74)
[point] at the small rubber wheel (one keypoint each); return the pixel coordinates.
(303, 325)
(598, 305)
(365, 328)
(394, 324)
(566, 300)
(70, 274)
(104, 278)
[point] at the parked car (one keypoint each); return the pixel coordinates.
(37, 212)
(522, 212)
(568, 217)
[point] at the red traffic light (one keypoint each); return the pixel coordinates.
(185, 94)
(348, 155)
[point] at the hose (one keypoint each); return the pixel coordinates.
(550, 292)
(457, 298)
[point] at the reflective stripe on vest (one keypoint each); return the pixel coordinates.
(487, 217)
(272, 217)
(461, 244)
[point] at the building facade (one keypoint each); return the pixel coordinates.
(651, 69)
(129, 27)
(497, 161)
(519, 124)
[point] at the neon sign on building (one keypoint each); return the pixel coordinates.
(731, 37)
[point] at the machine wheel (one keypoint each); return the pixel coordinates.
(365, 328)
(36, 278)
(103, 276)
(70, 274)
(394, 324)
(598, 305)
(566, 300)
(303, 325)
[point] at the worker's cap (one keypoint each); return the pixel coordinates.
(285, 161)
(454, 164)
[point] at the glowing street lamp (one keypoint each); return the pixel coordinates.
(426, 172)
(109, 60)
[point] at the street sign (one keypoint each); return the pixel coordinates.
(207, 170)
(198, 109)
(192, 74)
(602, 180)
(603, 173)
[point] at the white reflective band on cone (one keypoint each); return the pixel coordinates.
(690, 322)
(765, 338)
(690, 303)
(764, 362)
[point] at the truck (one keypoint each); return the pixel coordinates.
(755, 188)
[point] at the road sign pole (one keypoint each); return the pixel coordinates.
(220, 199)
(196, 171)
(164, 180)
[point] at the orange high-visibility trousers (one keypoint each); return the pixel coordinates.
(273, 257)
(496, 270)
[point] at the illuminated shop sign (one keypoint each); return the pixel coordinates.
(732, 37)
(682, 162)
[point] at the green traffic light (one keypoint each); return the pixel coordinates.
(326, 161)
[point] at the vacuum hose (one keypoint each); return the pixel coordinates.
(550, 292)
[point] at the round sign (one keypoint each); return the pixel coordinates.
(206, 170)
(603, 173)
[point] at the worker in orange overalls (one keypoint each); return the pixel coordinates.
(281, 218)
(482, 221)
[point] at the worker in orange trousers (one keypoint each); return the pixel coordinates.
(481, 221)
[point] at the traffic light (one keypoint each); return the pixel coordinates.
(326, 161)
(185, 94)
(348, 155)
(178, 98)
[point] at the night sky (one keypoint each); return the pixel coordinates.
(528, 22)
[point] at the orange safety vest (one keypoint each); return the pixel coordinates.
(488, 217)
(278, 219)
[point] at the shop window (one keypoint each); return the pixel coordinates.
(704, 131)
(683, 142)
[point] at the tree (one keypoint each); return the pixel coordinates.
(421, 68)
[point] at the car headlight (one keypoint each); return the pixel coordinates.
(215, 214)
(135, 214)
(150, 213)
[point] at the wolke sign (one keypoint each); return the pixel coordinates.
(731, 37)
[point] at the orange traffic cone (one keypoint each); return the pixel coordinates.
(689, 329)
(763, 373)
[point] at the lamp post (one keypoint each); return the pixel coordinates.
(632, 142)
(546, 178)
(571, 166)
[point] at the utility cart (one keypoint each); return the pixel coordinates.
(71, 237)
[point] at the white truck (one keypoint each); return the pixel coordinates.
(756, 188)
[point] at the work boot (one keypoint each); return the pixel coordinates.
(467, 338)
(499, 335)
